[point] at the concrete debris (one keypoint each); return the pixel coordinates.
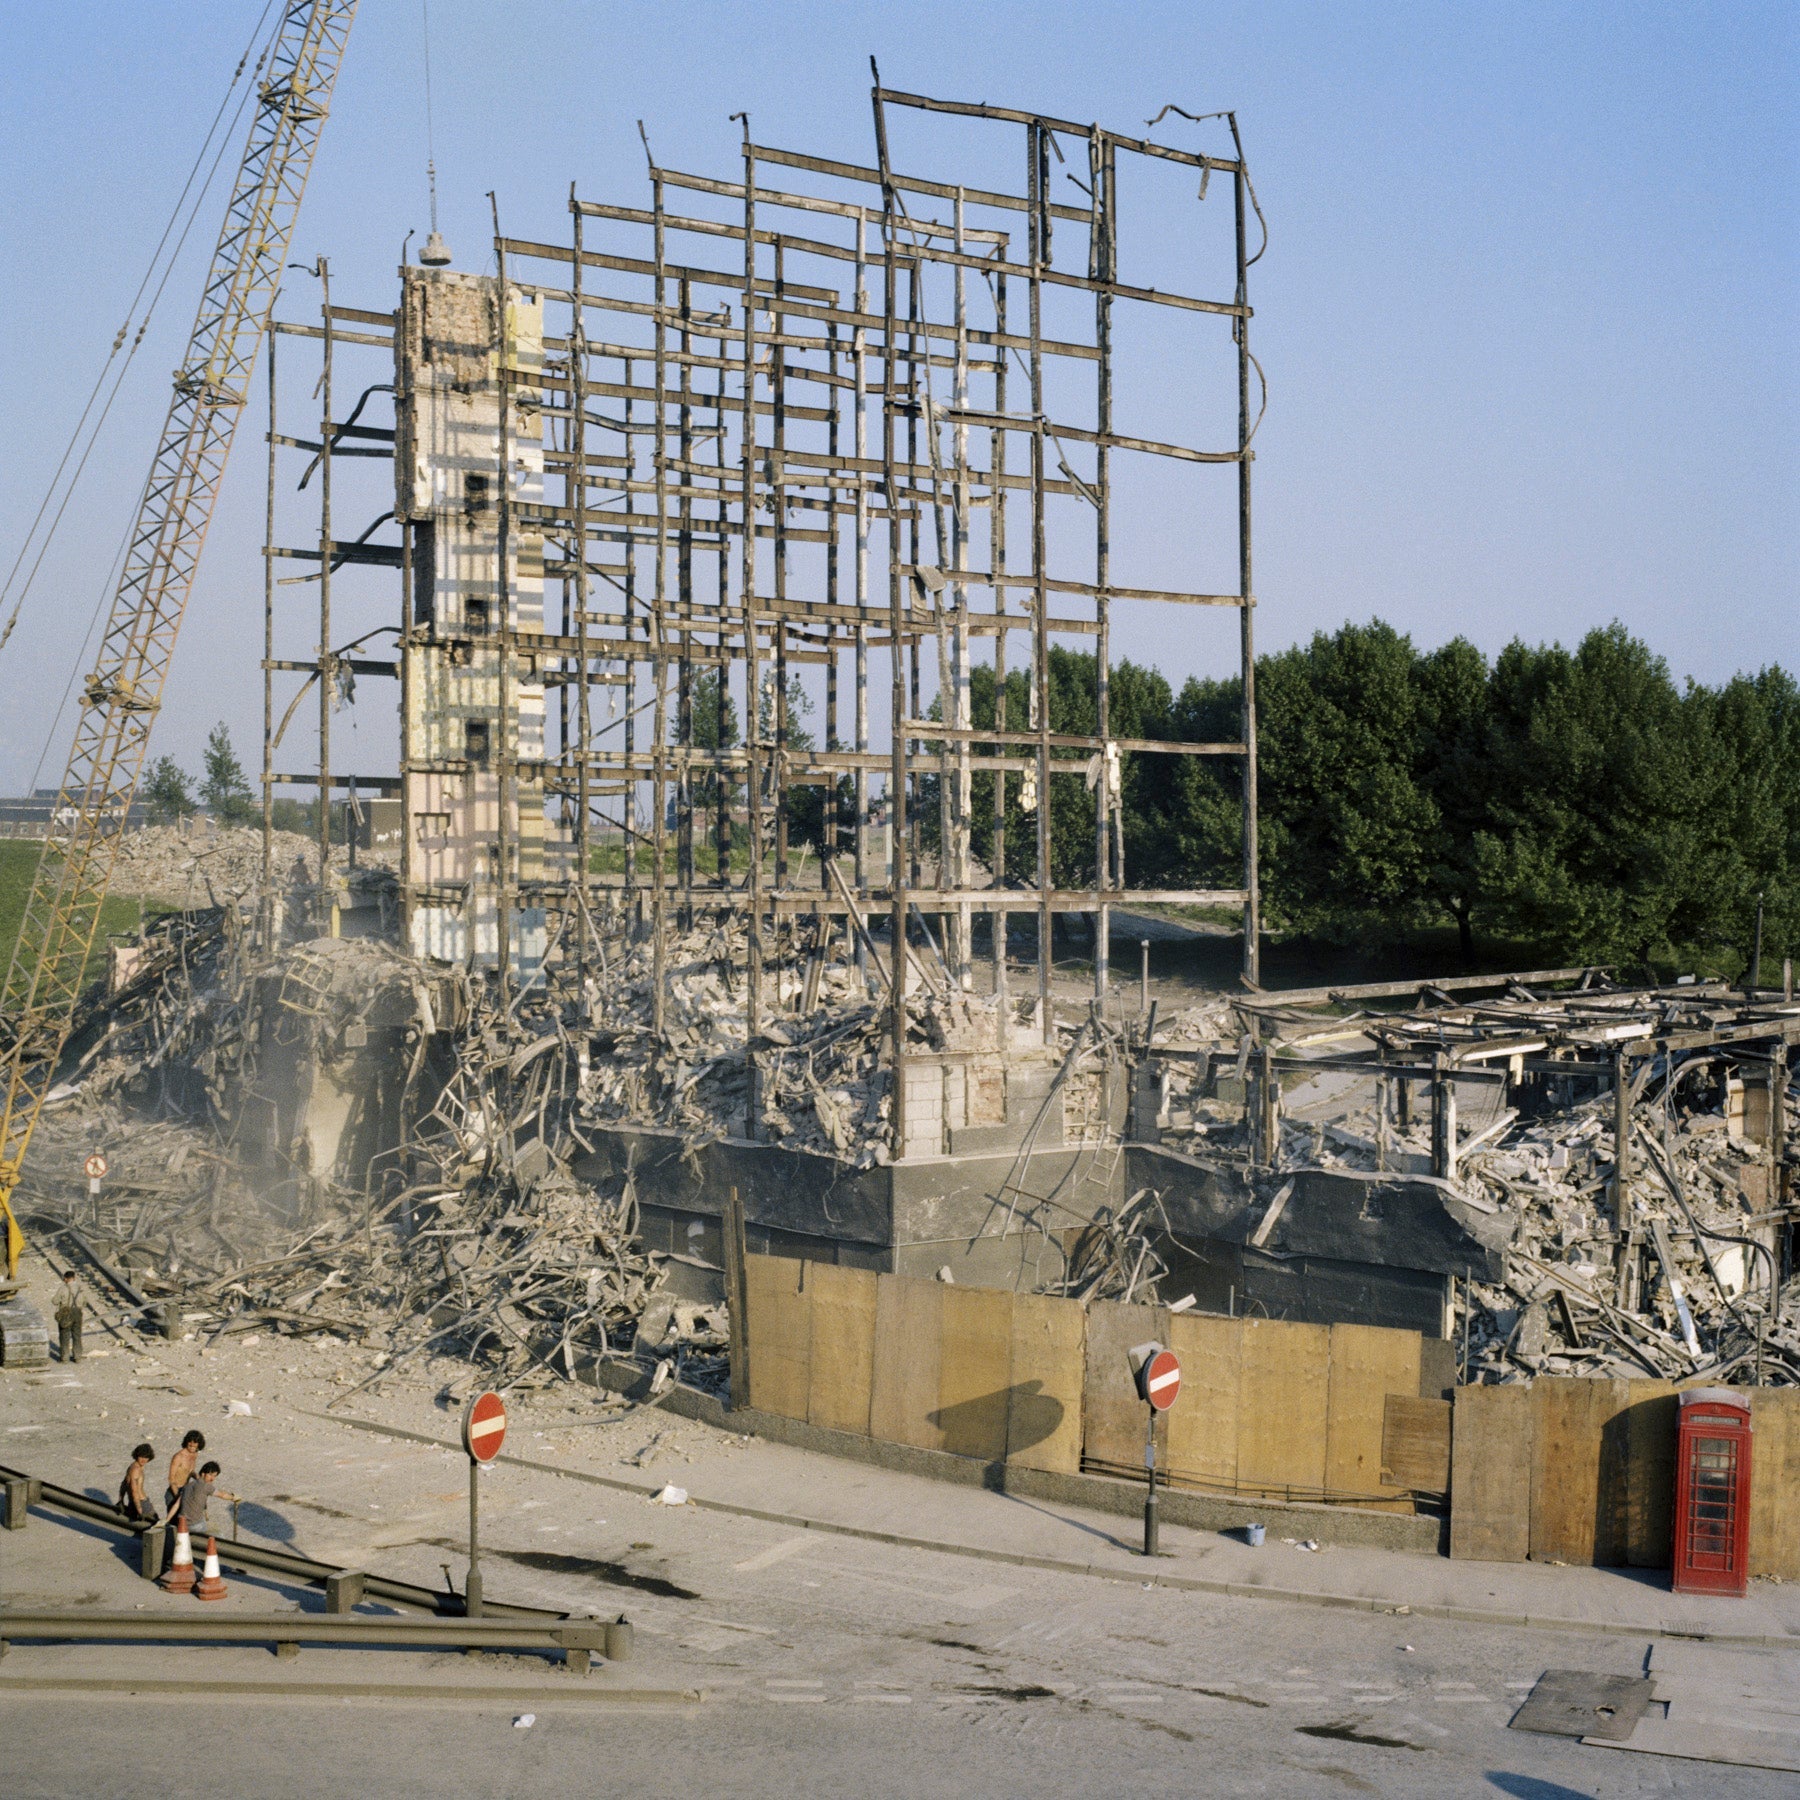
(200, 863)
(1679, 1279)
(244, 1100)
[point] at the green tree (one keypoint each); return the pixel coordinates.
(168, 794)
(1594, 844)
(224, 790)
(1347, 822)
(1455, 770)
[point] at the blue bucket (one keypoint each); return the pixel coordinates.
(1253, 1536)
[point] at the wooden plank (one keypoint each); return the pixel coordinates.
(1368, 1362)
(1203, 1423)
(1415, 1443)
(975, 1374)
(1775, 1482)
(1112, 1416)
(1650, 1477)
(780, 1309)
(1284, 1379)
(842, 1358)
(908, 1341)
(1490, 1473)
(1579, 1464)
(1043, 1423)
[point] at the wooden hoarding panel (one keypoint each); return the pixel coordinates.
(1490, 1473)
(908, 1340)
(1283, 1387)
(1580, 1475)
(1112, 1415)
(975, 1373)
(1203, 1426)
(843, 1347)
(1650, 1476)
(1415, 1443)
(780, 1305)
(1043, 1429)
(1775, 1482)
(1368, 1363)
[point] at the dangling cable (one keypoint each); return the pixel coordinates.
(119, 340)
(430, 142)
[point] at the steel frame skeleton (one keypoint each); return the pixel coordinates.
(734, 438)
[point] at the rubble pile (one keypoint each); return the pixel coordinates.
(203, 864)
(219, 1204)
(823, 1083)
(1690, 1290)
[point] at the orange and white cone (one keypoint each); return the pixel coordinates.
(178, 1578)
(210, 1586)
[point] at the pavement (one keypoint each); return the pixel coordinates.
(842, 1624)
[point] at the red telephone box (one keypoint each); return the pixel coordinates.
(1712, 1493)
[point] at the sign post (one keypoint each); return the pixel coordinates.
(1157, 1376)
(483, 1432)
(95, 1170)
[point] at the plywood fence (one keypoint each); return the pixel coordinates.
(1583, 1471)
(1267, 1408)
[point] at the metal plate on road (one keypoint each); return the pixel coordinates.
(1575, 1703)
(1162, 1380)
(484, 1426)
(95, 1167)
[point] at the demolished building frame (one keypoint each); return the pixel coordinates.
(706, 465)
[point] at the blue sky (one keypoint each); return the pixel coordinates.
(1528, 311)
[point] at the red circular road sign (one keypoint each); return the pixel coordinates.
(1162, 1380)
(484, 1427)
(95, 1166)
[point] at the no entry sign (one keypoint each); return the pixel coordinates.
(484, 1427)
(95, 1167)
(1162, 1380)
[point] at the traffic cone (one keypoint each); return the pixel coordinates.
(210, 1586)
(178, 1578)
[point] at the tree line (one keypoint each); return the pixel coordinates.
(1581, 804)
(1578, 802)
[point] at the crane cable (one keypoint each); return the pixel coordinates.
(118, 343)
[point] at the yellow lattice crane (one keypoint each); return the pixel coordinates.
(121, 695)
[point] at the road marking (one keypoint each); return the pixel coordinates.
(795, 1693)
(774, 1554)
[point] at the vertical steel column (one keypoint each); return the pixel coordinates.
(578, 391)
(503, 745)
(684, 722)
(962, 713)
(1246, 593)
(896, 632)
(657, 624)
(860, 445)
(997, 568)
(753, 673)
(1038, 142)
(1101, 269)
(268, 729)
(328, 911)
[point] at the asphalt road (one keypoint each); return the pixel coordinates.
(829, 1664)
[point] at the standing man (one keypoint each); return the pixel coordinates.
(68, 1320)
(134, 1503)
(181, 1468)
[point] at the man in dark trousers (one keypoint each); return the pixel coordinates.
(181, 1467)
(134, 1503)
(68, 1320)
